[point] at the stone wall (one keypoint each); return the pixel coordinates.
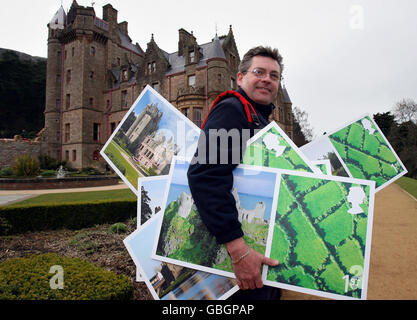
(57, 183)
(10, 149)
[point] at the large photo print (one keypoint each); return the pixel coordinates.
(167, 281)
(184, 239)
(321, 234)
(150, 134)
(366, 152)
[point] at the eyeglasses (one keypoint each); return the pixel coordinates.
(261, 74)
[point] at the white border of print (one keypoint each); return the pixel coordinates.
(163, 100)
(273, 124)
(326, 162)
(139, 277)
(196, 266)
(387, 142)
(149, 178)
(126, 242)
(368, 246)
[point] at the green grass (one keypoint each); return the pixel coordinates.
(131, 174)
(88, 197)
(409, 185)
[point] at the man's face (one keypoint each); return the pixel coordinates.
(265, 90)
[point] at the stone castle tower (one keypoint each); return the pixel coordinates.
(146, 123)
(95, 73)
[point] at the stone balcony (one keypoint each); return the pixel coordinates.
(183, 91)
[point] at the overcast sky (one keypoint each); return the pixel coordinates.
(343, 58)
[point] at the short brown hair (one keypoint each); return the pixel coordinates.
(260, 51)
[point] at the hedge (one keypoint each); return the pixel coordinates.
(20, 219)
(33, 278)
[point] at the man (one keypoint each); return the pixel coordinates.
(210, 177)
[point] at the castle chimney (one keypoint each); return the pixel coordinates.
(123, 27)
(109, 13)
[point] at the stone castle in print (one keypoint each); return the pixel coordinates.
(95, 72)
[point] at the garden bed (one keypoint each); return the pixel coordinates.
(95, 244)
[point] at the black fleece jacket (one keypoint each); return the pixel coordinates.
(211, 184)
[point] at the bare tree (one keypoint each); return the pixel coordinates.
(405, 110)
(301, 117)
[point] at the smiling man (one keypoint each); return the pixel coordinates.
(241, 113)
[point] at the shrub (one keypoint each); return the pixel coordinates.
(49, 163)
(25, 166)
(118, 228)
(23, 218)
(48, 173)
(6, 172)
(30, 279)
(90, 171)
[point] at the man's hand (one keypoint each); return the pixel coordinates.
(248, 269)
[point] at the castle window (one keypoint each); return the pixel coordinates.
(91, 75)
(232, 83)
(289, 116)
(74, 155)
(118, 61)
(93, 51)
(156, 86)
(149, 68)
(68, 76)
(112, 127)
(197, 116)
(124, 75)
(186, 112)
(67, 132)
(68, 101)
(72, 51)
(232, 60)
(153, 66)
(191, 57)
(91, 102)
(219, 78)
(66, 155)
(96, 131)
(191, 80)
(58, 79)
(65, 54)
(58, 103)
(124, 99)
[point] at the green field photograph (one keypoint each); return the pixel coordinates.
(321, 234)
(272, 148)
(366, 153)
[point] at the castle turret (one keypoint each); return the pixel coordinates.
(51, 137)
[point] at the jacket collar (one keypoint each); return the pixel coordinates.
(264, 109)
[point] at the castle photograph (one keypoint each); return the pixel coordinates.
(151, 133)
(95, 72)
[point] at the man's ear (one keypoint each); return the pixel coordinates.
(239, 78)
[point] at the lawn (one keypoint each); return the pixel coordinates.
(90, 197)
(115, 153)
(409, 185)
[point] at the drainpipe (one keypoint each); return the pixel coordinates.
(202, 116)
(61, 116)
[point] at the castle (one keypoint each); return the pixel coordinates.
(95, 72)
